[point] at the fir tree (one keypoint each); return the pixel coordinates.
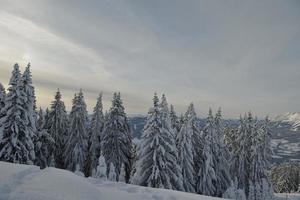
(57, 125)
(207, 173)
(122, 174)
(174, 120)
(101, 169)
(2, 97)
(97, 123)
(185, 152)
(157, 166)
(44, 148)
(117, 140)
(30, 106)
(221, 154)
(40, 123)
(76, 147)
(112, 173)
(17, 141)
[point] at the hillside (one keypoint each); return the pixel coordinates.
(24, 182)
(285, 139)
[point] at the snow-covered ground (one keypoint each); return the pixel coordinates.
(24, 182)
(288, 196)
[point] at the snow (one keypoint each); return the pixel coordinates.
(27, 182)
(290, 118)
(292, 196)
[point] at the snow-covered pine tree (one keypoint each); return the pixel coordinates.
(40, 122)
(76, 146)
(207, 176)
(17, 141)
(44, 144)
(2, 105)
(197, 137)
(239, 162)
(117, 140)
(44, 148)
(101, 169)
(157, 165)
(112, 176)
(96, 128)
(234, 193)
(221, 154)
(30, 106)
(57, 124)
(259, 161)
(122, 174)
(46, 116)
(2, 97)
(174, 120)
(185, 152)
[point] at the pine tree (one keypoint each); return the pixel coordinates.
(157, 166)
(112, 176)
(207, 173)
(221, 154)
(76, 147)
(44, 148)
(40, 123)
(17, 141)
(185, 152)
(197, 140)
(101, 169)
(2, 97)
(122, 174)
(2, 105)
(30, 106)
(97, 123)
(174, 120)
(117, 139)
(57, 125)
(240, 163)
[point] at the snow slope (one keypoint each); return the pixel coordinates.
(24, 182)
(292, 119)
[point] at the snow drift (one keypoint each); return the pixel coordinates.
(27, 182)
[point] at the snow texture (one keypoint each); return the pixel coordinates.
(20, 182)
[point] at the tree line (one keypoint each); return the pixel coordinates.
(173, 152)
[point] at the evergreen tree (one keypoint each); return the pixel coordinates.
(2, 105)
(112, 176)
(221, 154)
(240, 162)
(2, 97)
(97, 123)
(76, 146)
(44, 148)
(207, 174)
(117, 140)
(185, 152)
(101, 169)
(174, 120)
(157, 166)
(122, 174)
(57, 125)
(40, 123)
(17, 141)
(197, 141)
(30, 106)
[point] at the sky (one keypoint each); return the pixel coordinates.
(238, 55)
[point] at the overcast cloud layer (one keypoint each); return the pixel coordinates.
(240, 55)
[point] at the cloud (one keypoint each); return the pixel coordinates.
(240, 56)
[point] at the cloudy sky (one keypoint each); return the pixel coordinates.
(240, 55)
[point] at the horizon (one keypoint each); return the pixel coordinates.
(239, 56)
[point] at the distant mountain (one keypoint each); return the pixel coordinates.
(290, 119)
(285, 139)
